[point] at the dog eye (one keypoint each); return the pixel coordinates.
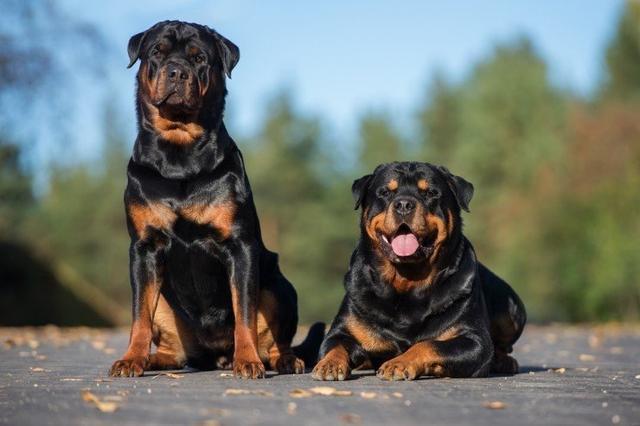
(200, 59)
(384, 192)
(432, 193)
(155, 51)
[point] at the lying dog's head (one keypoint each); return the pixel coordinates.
(182, 73)
(411, 210)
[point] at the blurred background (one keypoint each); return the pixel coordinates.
(537, 104)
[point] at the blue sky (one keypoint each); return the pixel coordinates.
(343, 58)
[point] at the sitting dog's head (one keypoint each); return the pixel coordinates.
(411, 210)
(181, 76)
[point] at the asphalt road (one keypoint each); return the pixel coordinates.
(569, 375)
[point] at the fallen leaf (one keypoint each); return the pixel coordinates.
(397, 395)
(71, 379)
(300, 393)
(586, 357)
(638, 376)
(291, 408)
(368, 395)
(494, 405)
(226, 374)
(329, 391)
(234, 392)
(105, 407)
(112, 398)
(98, 345)
(561, 370)
(169, 375)
(36, 369)
(351, 418)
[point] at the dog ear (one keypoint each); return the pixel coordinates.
(461, 188)
(229, 52)
(359, 189)
(135, 43)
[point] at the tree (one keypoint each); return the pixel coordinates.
(622, 79)
(439, 122)
(379, 142)
(16, 195)
(512, 120)
(303, 216)
(41, 48)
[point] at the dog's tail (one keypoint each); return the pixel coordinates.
(309, 348)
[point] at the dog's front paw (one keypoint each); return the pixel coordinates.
(248, 369)
(399, 369)
(289, 364)
(331, 369)
(131, 367)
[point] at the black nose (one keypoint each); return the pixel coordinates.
(404, 206)
(177, 72)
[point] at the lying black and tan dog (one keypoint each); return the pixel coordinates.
(417, 300)
(206, 291)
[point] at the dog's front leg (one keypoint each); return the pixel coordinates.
(243, 267)
(146, 279)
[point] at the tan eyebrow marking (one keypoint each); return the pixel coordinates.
(423, 184)
(392, 185)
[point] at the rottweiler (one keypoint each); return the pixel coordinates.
(417, 300)
(206, 291)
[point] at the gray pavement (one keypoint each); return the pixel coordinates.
(569, 375)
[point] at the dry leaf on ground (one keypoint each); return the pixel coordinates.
(300, 393)
(169, 375)
(105, 407)
(368, 395)
(234, 392)
(350, 418)
(586, 357)
(329, 391)
(494, 405)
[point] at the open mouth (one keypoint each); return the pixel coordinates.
(404, 243)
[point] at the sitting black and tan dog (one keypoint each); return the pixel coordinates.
(206, 291)
(417, 300)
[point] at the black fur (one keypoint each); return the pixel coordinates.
(195, 260)
(462, 295)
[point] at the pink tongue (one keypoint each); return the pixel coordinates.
(405, 244)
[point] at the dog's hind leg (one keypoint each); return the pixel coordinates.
(175, 342)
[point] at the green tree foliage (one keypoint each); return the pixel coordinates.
(623, 57)
(379, 142)
(80, 221)
(439, 122)
(16, 197)
(553, 213)
(304, 212)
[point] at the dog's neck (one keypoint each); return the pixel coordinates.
(181, 150)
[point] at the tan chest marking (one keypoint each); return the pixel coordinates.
(152, 215)
(219, 216)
